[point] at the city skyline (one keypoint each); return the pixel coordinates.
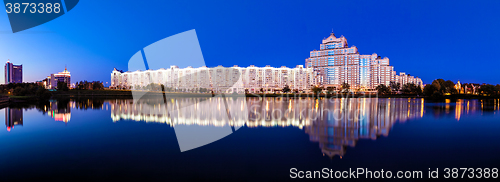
(420, 38)
(333, 65)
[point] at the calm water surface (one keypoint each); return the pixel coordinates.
(121, 140)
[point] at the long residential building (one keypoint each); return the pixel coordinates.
(337, 63)
(218, 79)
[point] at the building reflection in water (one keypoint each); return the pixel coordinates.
(460, 107)
(333, 123)
(13, 117)
(59, 110)
(202, 111)
(348, 120)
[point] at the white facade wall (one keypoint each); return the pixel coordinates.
(218, 79)
(403, 79)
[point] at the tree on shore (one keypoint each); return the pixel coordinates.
(440, 87)
(62, 86)
(27, 89)
(85, 85)
(383, 90)
(449, 87)
(316, 90)
(488, 89)
(97, 85)
(286, 89)
(394, 86)
(330, 89)
(345, 87)
(411, 88)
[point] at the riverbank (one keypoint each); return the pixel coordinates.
(105, 94)
(127, 94)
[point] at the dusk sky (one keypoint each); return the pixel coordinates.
(428, 39)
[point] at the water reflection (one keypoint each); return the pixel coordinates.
(334, 124)
(460, 107)
(359, 119)
(59, 110)
(13, 117)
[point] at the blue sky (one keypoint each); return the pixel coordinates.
(454, 40)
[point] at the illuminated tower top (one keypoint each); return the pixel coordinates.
(332, 42)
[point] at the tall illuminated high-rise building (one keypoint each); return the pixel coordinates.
(13, 73)
(337, 63)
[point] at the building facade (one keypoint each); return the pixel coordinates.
(218, 79)
(51, 81)
(13, 73)
(337, 63)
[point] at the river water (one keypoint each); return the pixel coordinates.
(255, 139)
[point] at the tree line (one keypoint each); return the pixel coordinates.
(393, 88)
(26, 89)
(440, 87)
(85, 85)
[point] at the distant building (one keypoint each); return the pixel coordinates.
(13, 73)
(458, 86)
(13, 117)
(51, 81)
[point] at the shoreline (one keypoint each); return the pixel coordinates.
(127, 94)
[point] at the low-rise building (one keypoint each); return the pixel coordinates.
(51, 81)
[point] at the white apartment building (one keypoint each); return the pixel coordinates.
(218, 79)
(404, 78)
